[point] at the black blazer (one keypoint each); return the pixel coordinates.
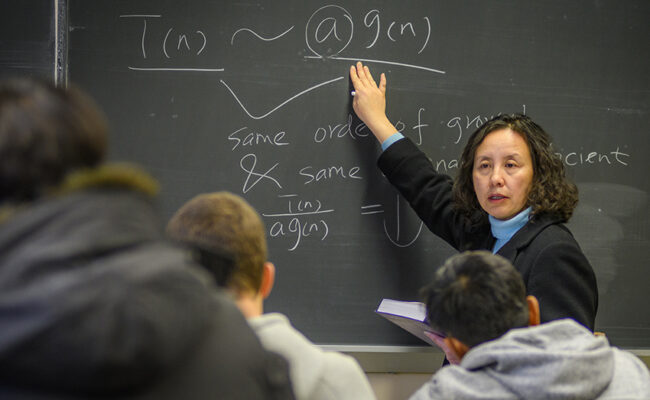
(544, 251)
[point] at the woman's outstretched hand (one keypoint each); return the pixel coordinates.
(369, 101)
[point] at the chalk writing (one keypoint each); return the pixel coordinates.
(294, 97)
(338, 131)
(302, 220)
(371, 209)
(395, 236)
(330, 29)
(232, 39)
(465, 122)
(328, 173)
(582, 158)
(173, 45)
(372, 18)
(244, 137)
(250, 170)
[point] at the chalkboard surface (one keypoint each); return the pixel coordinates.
(254, 98)
(27, 39)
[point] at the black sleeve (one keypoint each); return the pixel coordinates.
(429, 193)
(564, 283)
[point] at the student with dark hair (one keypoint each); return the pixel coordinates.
(224, 224)
(94, 301)
(478, 300)
(510, 197)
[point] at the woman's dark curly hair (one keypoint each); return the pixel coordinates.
(550, 193)
(45, 133)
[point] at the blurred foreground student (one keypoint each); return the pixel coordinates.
(229, 233)
(94, 302)
(479, 301)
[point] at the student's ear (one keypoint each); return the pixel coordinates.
(533, 311)
(268, 279)
(456, 346)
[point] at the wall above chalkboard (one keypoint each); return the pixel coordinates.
(254, 98)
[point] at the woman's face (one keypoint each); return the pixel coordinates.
(503, 173)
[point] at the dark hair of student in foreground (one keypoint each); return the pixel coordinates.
(45, 133)
(475, 297)
(550, 192)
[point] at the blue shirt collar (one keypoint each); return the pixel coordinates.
(504, 230)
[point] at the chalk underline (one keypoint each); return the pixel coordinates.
(298, 213)
(381, 62)
(178, 69)
(311, 57)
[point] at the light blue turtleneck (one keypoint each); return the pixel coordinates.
(505, 230)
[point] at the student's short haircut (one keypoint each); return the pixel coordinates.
(475, 297)
(45, 133)
(228, 229)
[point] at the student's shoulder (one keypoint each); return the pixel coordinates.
(456, 382)
(343, 377)
(278, 335)
(631, 377)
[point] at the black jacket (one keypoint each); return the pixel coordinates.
(544, 251)
(94, 302)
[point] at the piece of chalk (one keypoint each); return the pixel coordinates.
(352, 93)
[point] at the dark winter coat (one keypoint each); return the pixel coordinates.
(94, 302)
(544, 251)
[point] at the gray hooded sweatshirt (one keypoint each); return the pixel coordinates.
(556, 360)
(315, 374)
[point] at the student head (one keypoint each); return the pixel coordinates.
(45, 133)
(225, 226)
(490, 178)
(477, 296)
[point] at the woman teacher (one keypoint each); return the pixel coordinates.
(510, 196)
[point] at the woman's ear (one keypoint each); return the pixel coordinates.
(533, 311)
(268, 279)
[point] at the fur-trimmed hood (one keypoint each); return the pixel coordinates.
(93, 299)
(107, 176)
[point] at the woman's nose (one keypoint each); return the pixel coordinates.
(496, 178)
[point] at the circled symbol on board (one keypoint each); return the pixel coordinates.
(329, 31)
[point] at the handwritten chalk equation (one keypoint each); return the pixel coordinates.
(303, 219)
(306, 219)
(309, 174)
(330, 30)
(328, 33)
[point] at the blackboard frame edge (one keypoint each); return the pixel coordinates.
(61, 43)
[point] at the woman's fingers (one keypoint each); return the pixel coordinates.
(361, 77)
(354, 77)
(382, 83)
(368, 75)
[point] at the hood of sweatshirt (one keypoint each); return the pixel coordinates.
(556, 360)
(92, 298)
